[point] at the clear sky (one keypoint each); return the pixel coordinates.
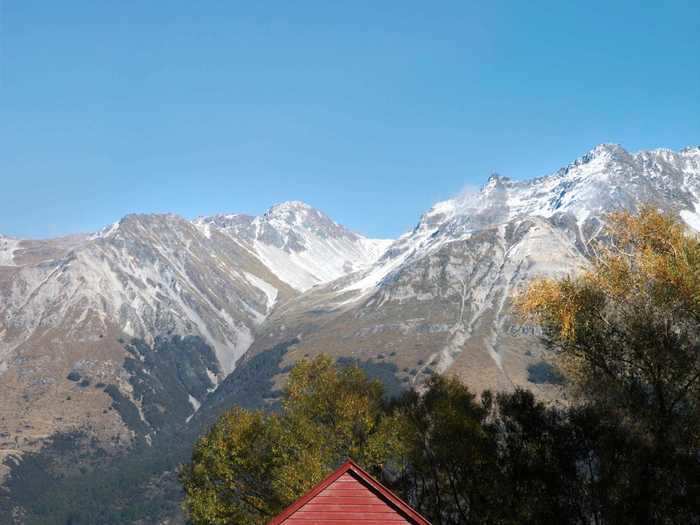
(370, 111)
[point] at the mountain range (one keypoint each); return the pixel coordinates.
(143, 332)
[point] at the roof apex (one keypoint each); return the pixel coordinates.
(349, 465)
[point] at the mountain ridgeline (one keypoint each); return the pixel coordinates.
(119, 347)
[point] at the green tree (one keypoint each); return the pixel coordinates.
(541, 450)
(251, 465)
(450, 454)
(503, 460)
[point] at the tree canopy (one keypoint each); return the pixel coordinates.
(252, 464)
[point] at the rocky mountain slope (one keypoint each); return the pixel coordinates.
(439, 299)
(68, 308)
(136, 337)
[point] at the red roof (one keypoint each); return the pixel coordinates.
(349, 495)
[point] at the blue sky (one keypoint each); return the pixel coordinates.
(370, 111)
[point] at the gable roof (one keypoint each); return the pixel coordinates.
(333, 485)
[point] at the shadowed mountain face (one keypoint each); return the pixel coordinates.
(141, 334)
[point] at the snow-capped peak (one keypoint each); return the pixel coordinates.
(691, 151)
(298, 216)
(299, 243)
(605, 179)
(608, 149)
(136, 223)
(107, 231)
(287, 207)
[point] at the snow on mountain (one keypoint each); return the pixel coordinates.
(606, 179)
(439, 298)
(300, 244)
(436, 299)
(7, 250)
(146, 275)
(221, 276)
(115, 308)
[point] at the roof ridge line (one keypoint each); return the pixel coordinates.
(373, 484)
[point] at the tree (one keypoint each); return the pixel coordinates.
(627, 334)
(450, 455)
(503, 460)
(231, 478)
(251, 465)
(541, 449)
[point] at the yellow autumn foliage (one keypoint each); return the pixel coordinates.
(632, 316)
